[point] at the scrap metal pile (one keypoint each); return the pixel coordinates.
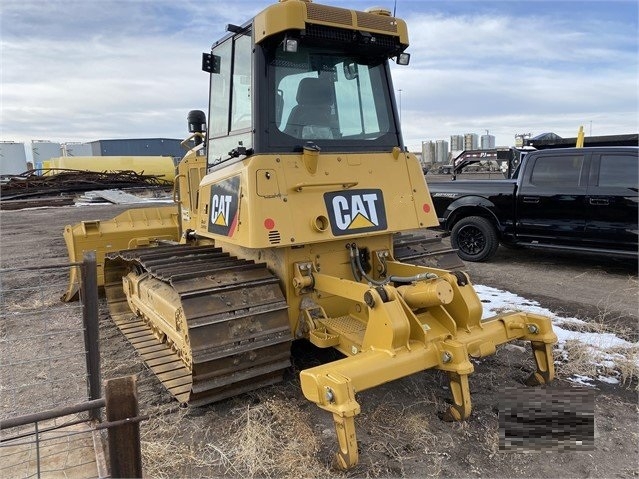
(65, 183)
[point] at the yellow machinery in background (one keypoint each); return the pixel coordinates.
(289, 209)
(580, 137)
(161, 166)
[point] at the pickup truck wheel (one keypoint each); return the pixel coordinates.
(474, 238)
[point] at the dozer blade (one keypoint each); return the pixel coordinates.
(209, 325)
(130, 229)
(425, 247)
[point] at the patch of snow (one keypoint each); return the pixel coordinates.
(609, 380)
(607, 364)
(571, 321)
(583, 380)
(80, 203)
(598, 340)
(496, 301)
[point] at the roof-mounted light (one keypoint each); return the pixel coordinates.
(290, 45)
(403, 59)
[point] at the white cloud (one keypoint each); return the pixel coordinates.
(471, 73)
(77, 71)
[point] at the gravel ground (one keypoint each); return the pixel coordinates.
(275, 432)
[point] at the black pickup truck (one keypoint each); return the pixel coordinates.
(581, 199)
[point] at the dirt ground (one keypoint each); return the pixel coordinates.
(275, 432)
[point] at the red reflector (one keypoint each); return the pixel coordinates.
(269, 224)
(426, 208)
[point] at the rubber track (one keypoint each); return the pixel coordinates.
(235, 312)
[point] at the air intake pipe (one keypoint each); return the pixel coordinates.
(197, 124)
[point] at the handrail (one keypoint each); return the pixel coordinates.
(343, 184)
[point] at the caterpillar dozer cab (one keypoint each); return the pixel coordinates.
(290, 203)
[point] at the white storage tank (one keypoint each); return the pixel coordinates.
(42, 150)
(487, 141)
(471, 141)
(13, 158)
(456, 142)
(428, 152)
(441, 151)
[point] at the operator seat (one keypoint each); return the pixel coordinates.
(311, 118)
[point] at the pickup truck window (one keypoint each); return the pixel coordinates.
(560, 170)
(618, 171)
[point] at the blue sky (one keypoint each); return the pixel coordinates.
(87, 70)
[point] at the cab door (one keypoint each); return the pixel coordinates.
(551, 199)
(611, 201)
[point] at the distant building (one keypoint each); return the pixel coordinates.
(138, 147)
(13, 158)
(441, 151)
(428, 153)
(471, 141)
(456, 142)
(487, 142)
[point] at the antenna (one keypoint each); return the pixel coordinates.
(395, 8)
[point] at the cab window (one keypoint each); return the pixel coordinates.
(618, 170)
(562, 170)
(231, 99)
(320, 95)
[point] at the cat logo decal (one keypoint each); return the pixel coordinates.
(224, 206)
(356, 211)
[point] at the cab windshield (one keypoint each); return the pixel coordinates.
(332, 99)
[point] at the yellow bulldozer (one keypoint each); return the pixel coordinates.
(289, 205)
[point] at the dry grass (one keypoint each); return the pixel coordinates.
(268, 439)
(594, 360)
(272, 439)
(627, 366)
(166, 451)
(403, 437)
(577, 358)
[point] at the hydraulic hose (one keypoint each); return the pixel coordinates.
(356, 274)
(356, 267)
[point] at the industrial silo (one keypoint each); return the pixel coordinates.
(13, 158)
(441, 151)
(428, 153)
(471, 141)
(43, 150)
(457, 142)
(487, 141)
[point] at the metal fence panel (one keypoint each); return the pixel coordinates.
(42, 350)
(49, 359)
